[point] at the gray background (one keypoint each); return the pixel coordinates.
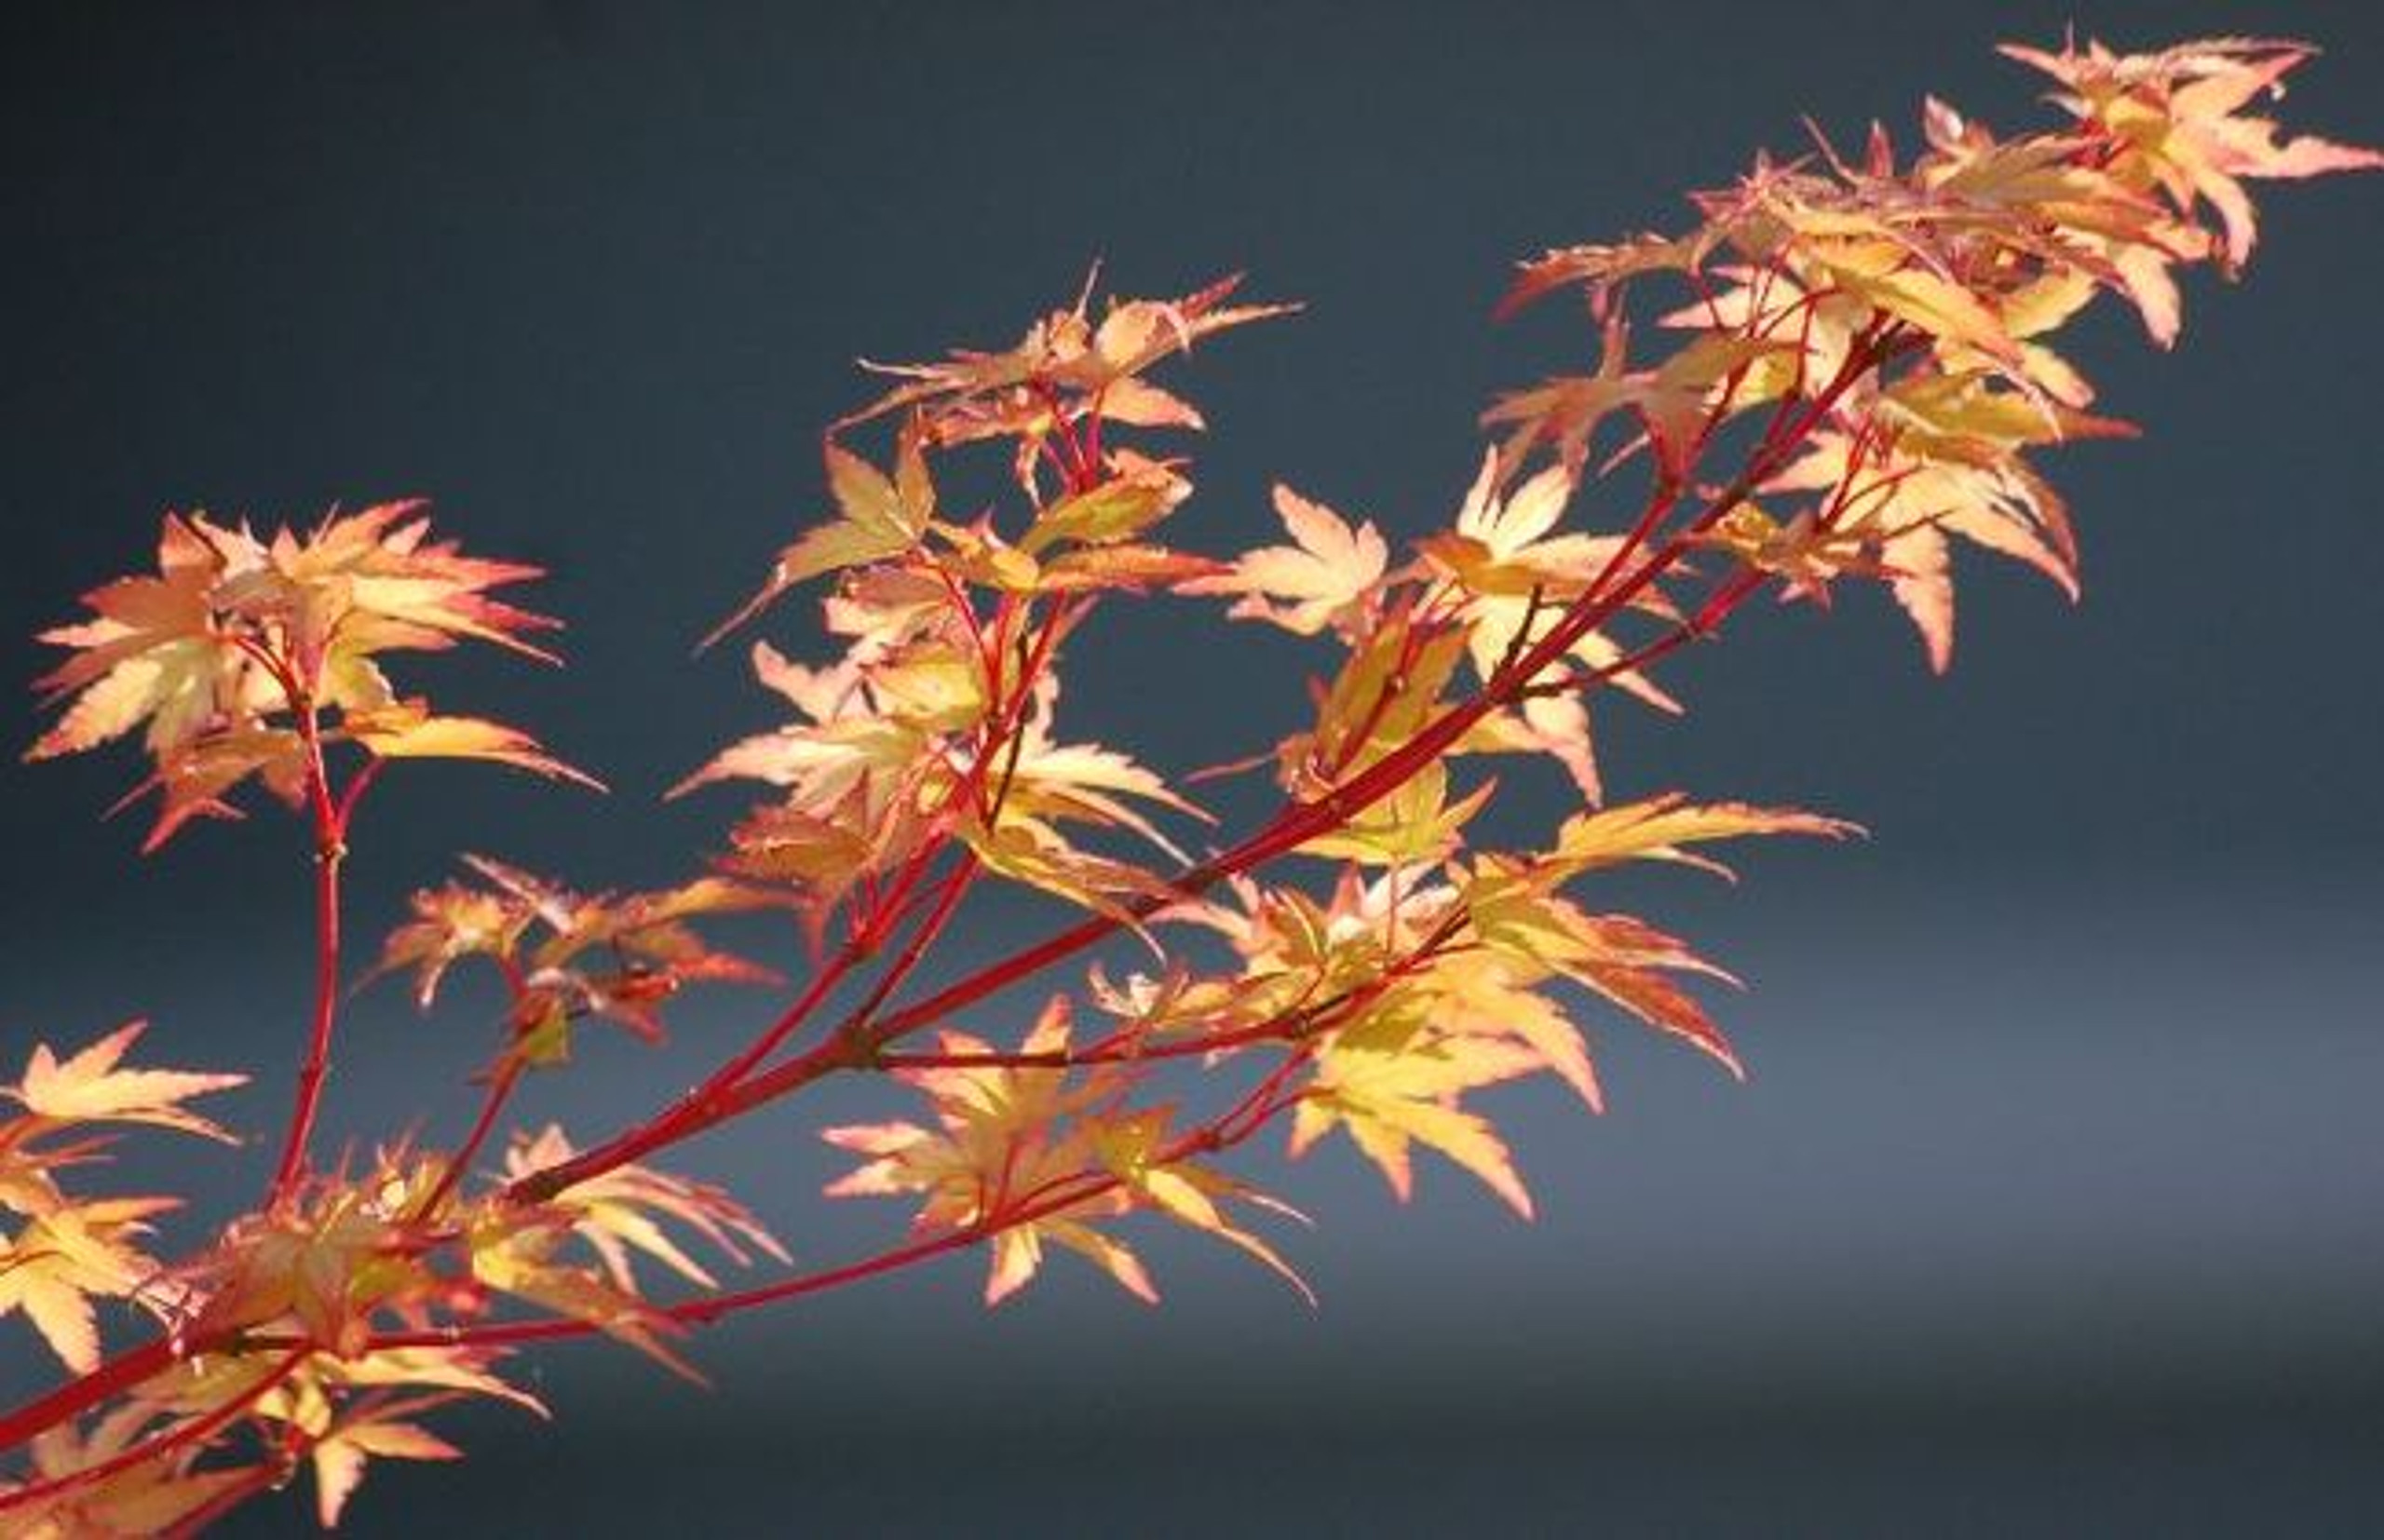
(2051, 1201)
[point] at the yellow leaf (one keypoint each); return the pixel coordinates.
(1658, 828)
(91, 1088)
(1389, 1092)
(877, 517)
(339, 1459)
(1319, 580)
(1628, 961)
(1942, 308)
(2174, 119)
(53, 1267)
(1137, 494)
(408, 731)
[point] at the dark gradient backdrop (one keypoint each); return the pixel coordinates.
(2051, 1204)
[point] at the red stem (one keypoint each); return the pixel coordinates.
(507, 1075)
(693, 1108)
(955, 885)
(1081, 471)
(259, 1479)
(1293, 1025)
(1252, 1112)
(77, 1395)
(703, 1106)
(1066, 1192)
(164, 1443)
(331, 850)
(1725, 596)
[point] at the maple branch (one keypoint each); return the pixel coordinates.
(1300, 822)
(955, 883)
(112, 1378)
(1295, 825)
(361, 782)
(500, 1089)
(1299, 1028)
(164, 1443)
(259, 1478)
(1725, 596)
(703, 1106)
(1975, 252)
(331, 850)
(1295, 1024)
(1081, 471)
(692, 1109)
(1124, 1052)
(1053, 1197)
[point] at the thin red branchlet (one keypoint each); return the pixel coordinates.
(1844, 370)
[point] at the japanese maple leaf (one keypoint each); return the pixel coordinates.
(877, 516)
(194, 782)
(1135, 493)
(974, 393)
(1517, 915)
(2179, 115)
(1770, 302)
(374, 581)
(1502, 552)
(1318, 581)
(1660, 828)
(1672, 402)
(1500, 542)
(342, 1413)
(620, 1213)
(408, 730)
(451, 923)
(1135, 334)
(185, 650)
(2103, 230)
(327, 1262)
(234, 650)
(866, 773)
(1078, 782)
(616, 956)
(1136, 1147)
(152, 1496)
(154, 654)
(1411, 1025)
(651, 928)
(1000, 1138)
(1391, 1088)
(1910, 500)
(339, 1456)
(1603, 267)
(71, 1250)
(63, 1258)
(90, 1087)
